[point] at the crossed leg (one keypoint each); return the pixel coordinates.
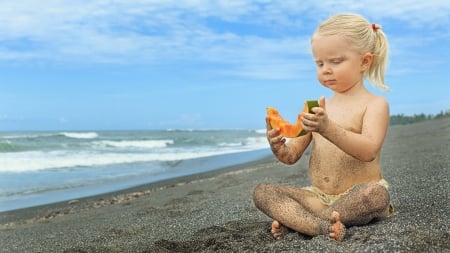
(302, 211)
(337, 229)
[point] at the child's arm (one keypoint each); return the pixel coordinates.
(364, 146)
(290, 152)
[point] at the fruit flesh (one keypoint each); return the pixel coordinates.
(286, 129)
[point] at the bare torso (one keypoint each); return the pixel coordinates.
(332, 170)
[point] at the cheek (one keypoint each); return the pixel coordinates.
(319, 78)
(319, 74)
(341, 73)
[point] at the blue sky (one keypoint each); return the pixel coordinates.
(159, 64)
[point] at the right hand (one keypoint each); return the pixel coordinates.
(276, 140)
(318, 120)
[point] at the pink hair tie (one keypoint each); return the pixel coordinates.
(375, 27)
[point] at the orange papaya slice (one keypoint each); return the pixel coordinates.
(287, 129)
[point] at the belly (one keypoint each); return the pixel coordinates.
(335, 173)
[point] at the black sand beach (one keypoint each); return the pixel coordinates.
(214, 212)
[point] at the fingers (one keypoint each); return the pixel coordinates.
(274, 137)
(309, 126)
(312, 122)
(322, 102)
(268, 126)
(318, 111)
(277, 141)
(315, 122)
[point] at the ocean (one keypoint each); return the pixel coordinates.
(44, 167)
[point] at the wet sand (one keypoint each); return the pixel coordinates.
(214, 212)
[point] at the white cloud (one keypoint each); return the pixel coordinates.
(415, 13)
(154, 31)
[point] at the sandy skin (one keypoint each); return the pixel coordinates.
(337, 229)
(347, 179)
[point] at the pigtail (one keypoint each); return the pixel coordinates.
(375, 73)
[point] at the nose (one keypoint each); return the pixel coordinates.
(326, 69)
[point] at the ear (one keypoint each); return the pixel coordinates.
(366, 61)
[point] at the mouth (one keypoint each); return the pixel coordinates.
(329, 81)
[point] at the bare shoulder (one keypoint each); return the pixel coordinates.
(377, 104)
(376, 118)
(379, 100)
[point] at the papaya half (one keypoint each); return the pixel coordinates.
(286, 129)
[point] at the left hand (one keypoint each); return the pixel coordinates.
(318, 120)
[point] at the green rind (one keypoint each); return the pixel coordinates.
(311, 104)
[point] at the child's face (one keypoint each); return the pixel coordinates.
(339, 65)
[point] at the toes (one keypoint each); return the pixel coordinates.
(275, 225)
(277, 235)
(335, 216)
(337, 229)
(278, 231)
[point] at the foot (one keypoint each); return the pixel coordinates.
(337, 228)
(278, 230)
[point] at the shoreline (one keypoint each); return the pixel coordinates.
(183, 168)
(51, 210)
(214, 212)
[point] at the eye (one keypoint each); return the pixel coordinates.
(337, 61)
(319, 64)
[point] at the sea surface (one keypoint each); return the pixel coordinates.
(45, 167)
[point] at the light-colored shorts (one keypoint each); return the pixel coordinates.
(329, 199)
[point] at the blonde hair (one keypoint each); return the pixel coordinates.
(364, 37)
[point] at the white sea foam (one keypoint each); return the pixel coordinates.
(135, 144)
(230, 144)
(93, 149)
(80, 135)
(27, 136)
(256, 142)
(249, 143)
(39, 160)
(261, 131)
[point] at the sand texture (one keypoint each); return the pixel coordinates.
(214, 212)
